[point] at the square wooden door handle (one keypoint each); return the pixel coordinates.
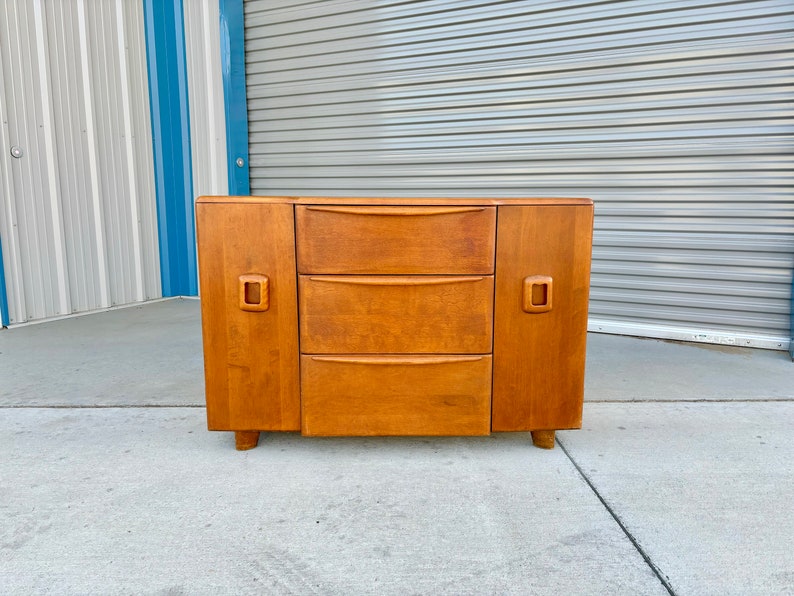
(254, 292)
(537, 294)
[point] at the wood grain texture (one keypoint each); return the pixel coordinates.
(538, 381)
(250, 358)
(246, 439)
(543, 439)
(411, 201)
(396, 314)
(393, 395)
(357, 240)
(399, 311)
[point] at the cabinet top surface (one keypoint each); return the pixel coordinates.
(394, 201)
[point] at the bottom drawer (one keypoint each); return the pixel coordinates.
(395, 395)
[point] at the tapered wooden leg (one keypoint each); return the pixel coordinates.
(543, 439)
(246, 439)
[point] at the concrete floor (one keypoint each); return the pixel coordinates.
(681, 480)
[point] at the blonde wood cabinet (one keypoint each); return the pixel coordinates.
(394, 316)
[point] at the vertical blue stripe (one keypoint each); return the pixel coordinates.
(4, 320)
(173, 168)
(235, 104)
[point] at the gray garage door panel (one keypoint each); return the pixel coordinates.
(675, 117)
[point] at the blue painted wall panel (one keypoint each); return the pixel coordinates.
(235, 103)
(170, 116)
(3, 295)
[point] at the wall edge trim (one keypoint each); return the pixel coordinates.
(232, 42)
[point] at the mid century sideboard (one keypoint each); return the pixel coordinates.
(334, 316)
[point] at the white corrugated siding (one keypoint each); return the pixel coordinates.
(205, 97)
(78, 220)
(205, 90)
(675, 117)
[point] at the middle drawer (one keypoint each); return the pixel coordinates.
(395, 314)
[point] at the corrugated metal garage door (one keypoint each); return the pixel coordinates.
(78, 217)
(674, 116)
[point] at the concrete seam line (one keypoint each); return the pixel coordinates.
(657, 572)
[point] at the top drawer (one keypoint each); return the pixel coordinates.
(393, 239)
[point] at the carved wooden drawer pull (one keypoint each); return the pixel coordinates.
(397, 360)
(537, 294)
(410, 211)
(395, 280)
(254, 292)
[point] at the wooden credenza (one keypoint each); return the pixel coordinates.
(381, 316)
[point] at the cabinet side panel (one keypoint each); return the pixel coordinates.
(251, 360)
(539, 357)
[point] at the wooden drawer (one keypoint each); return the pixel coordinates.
(395, 314)
(395, 395)
(393, 239)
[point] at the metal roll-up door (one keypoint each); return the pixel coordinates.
(78, 211)
(674, 116)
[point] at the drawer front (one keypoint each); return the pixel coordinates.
(391, 239)
(395, 395)
(396, 314)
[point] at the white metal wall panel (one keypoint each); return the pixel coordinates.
(675, 116)
(205, 90)
(205, 96)
(78, 220)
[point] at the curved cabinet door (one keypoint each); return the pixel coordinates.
(249, 315)
(540, 317)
